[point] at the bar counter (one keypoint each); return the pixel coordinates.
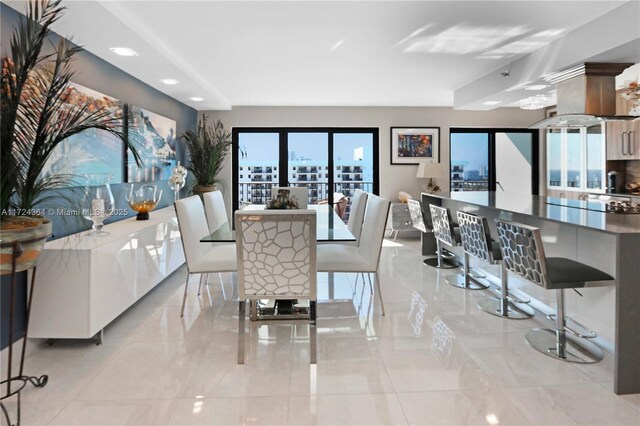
(585, 232)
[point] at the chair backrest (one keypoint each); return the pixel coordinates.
(276, 254)
(356, 213)
(522, 251)
(441, 220)
(215, 210)
(415, 211)
(192, 223)
(474, 233)
(373, 227)
(301, 193)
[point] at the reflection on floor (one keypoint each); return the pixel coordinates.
(434, 359)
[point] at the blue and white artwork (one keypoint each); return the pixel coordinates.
(155, 139)
(92, 151)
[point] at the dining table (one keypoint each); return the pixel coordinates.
(329, 226)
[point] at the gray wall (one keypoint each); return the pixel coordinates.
(99, 75)
(392, 178)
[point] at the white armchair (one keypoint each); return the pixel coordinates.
(276, 251)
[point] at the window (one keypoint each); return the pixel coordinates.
(493, 159)
(576, 159)
(310, 157)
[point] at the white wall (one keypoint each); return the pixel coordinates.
(392, 178)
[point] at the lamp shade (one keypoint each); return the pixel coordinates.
(429, 170)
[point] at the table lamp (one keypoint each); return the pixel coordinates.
(427, 171)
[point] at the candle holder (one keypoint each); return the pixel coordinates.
(98, 202)
(143, 199)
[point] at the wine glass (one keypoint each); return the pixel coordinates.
(98, 201)
(143, 199)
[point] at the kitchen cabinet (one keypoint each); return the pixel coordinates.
(623, 140)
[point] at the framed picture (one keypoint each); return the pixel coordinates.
(155, 138)
(93, 151)
(414, 145)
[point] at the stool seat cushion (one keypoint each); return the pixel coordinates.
(567, 273)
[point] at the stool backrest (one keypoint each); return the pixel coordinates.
(415, 211)
(522, 251)
(441, 220)
(276, 254)
(474, 233)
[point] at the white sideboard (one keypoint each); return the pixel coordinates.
(84, 282)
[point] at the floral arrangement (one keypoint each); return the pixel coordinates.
(282, 203)
(178, 176)
(632, 91)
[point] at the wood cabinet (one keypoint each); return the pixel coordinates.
(623, 140)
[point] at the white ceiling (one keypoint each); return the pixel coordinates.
(358, 53)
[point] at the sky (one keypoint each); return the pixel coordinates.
(264, 146)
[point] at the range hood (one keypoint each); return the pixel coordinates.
(586, 96)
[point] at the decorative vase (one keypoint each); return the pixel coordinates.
(31, 232)
(98, 202)
(143, 200)
(176, 190)
(202, 189)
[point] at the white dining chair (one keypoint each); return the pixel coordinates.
(365, 257)
(301, 193)
(356, 215)
(216, 213)
(276, 252)
(215, 210)
(201, 258)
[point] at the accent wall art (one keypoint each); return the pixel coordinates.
(92, 151)
(155, 138)
(414, 145)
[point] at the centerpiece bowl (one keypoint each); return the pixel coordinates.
(143, 199)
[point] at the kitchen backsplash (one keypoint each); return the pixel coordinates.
(633, 171)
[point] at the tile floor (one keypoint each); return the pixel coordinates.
(435, 358)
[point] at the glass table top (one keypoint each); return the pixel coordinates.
(329, 226)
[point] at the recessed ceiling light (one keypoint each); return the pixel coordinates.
(169, 81)
(537, 87)
(196, 99)
(123, 51)
(491, 102)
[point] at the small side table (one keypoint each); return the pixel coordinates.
(400, 219)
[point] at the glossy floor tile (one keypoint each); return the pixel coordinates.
(435, 358)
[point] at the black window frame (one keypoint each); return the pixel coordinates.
(283, 153)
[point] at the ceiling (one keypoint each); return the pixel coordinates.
(320, 53)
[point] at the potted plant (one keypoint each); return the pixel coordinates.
(208, 148)
(35, 120)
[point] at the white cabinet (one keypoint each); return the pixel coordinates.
(84, 282)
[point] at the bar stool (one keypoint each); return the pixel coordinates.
(444, 233)
(417, 221)
(523, 254)
(477, 242)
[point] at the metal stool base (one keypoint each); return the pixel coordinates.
(446, 264)
(577, 350)
(492, 305)
(457, 280)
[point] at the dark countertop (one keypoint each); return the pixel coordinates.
(579, 213)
